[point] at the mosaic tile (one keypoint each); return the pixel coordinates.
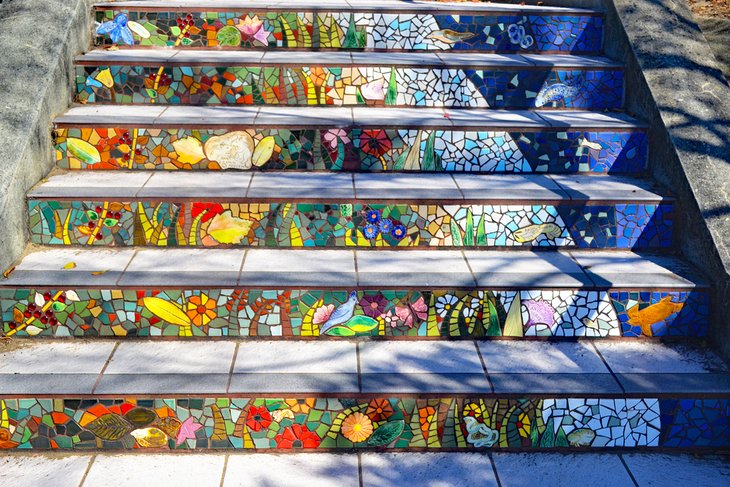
(276, 423)
(348, 85)
(334, 224)
(251, 312)
(502, 32)
(358, 149)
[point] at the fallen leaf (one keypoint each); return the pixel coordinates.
(70, 265)
(99, 273)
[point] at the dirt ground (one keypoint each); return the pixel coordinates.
(710, 8)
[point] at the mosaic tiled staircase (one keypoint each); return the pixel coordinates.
(347, 216)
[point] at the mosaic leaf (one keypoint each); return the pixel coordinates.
(227, 229)
(387, 433)
(83, 151)
(469, 232)
(340, 331)
(308, 327)
(167, 311)
(109, 427)
(513, 323)
(140, 417)
(361, 323)
(138, 29)
(264, 151)
(229, 36)
(150, 437)
(219, 425)
(233, 150)
(189, 150)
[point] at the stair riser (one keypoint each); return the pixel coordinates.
(397, 423)
(351, 86)
(358, 30)
(352, 224)
(362, 149)
(411, 313)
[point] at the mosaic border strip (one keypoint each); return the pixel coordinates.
(398, 423)
(496, 32)
(353, 149)
(340, 225)
(348, 85)
(248, 312)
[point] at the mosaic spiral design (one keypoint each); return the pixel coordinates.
(245, 312)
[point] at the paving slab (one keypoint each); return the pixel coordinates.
(508, 187)
(295, 470)
(155, 267)
(43, 366)
(417, 268)
(427, 469)
(305, 117)
(43, 470)
(397, 186)
(118, 115)
(310, 186)
(180, 185)
(629, 269)
(295, 366)
(560, 470)
(426, 366)
(197, 116)
(526, 269)
(603, 188)
(156, 470)
(545, 367)
(583, 119)
(93, 185)
(660, 470)
(316, 268)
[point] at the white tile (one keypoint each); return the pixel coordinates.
(293, 470)
(427, 470)
(637, 357)
(531, 357)
(56, 357)
(436, 357)
(173, 357)
(42, 470)
(296, 357)
(200, 470)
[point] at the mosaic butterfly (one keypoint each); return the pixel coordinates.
(517, 35)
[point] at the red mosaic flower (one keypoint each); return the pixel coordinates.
(297, 436)
(375, 142)
(209, 209)
(258, 418)
(379, 410)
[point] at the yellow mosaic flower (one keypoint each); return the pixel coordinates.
(357, 427)
(472, 409)
(300, 406)
(523, 425)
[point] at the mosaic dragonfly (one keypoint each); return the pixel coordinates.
(333, 224)
(351, 149)
(246, 312)
(302, 423)
(351, 86)
(338, 30)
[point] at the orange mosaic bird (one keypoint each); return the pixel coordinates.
(653, 314)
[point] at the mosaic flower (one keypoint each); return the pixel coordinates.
(375, 142)
(445, 303)
(300, 406)
(385, 226)
(322, 314)
(523, 425)
(399, 231)
(373, 305)
(357, 427)
(258, 418)
(252, 28)
(297, 436)
(117, 29)
(472, 409)
(370, 231)
(210, 210)
(201, 309)
(372, 216)
(333, 136)
(379, 410)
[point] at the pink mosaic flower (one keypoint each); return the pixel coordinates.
(252, 28)
(332, 136)
(323, 314)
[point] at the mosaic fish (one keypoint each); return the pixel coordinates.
(450, 36)
(559, 91)
(652, 314)
(539, 312)
(531, 232)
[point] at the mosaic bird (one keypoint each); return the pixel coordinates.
(450, 36)
(559, 91)
(531, 232)
(653, 314)
(342, 314)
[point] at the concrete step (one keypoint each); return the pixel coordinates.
(341, 78)
(106, 395)
(391, 25)
(202, 293)
(359, 139)
(285, 209)
(395, 469)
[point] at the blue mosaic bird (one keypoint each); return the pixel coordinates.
(342, 314)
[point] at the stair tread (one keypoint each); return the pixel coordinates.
(166, 56)
(330, 268)
(346, 5)
(328, 186)
(613, 368)
(368, 469)
(201, 116)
